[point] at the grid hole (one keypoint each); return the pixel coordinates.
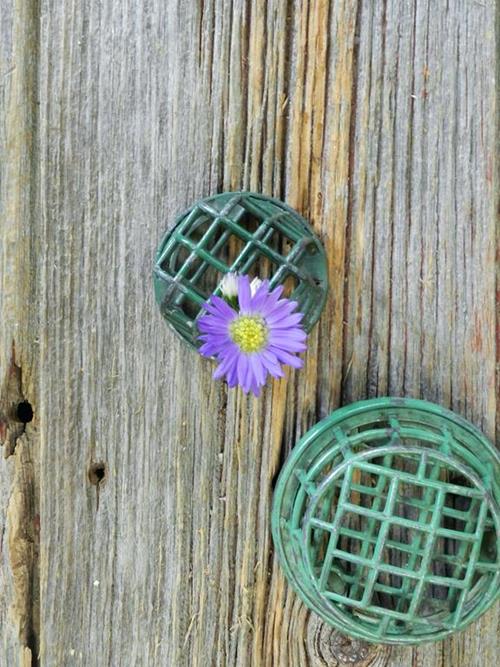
(176, 259)
(387, 590)
(199, 228)
(357, 589)
(250, 222)
(400, 558)
(280, 242)
(453, 523)
(442, 566)
(437, 598)
(189, 307)
(263, 268)
(290, 284)
(369, 490)
(230, 249)
(207, 278)
(459, 502)
(393, 580)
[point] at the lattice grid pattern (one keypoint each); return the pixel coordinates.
(196, 253)
(387, 529)
(378, 519)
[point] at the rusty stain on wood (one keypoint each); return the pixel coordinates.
(376, 121)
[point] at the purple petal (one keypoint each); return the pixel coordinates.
(226, 364)
(217, 306)
(258, 369)
(231, 349)
(214, 344)
(284, 335)
(271, 301)
(242, 371)
(210, 349)
(286, 358)
(288, 320)
(271, 363)
(232, 376)
(213, 323)
(281, 310)
(244, 294)
(261, 295)
(255, 388)
(277, 292)
(222, 338)
(211, 331)
(291, 345)
(250, 376)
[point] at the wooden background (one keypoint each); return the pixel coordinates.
(376, 120)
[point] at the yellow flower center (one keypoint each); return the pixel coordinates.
(249, 332)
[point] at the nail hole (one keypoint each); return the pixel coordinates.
(97, 473)
(24, 412)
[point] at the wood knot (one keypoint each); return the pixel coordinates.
(24, 412)
(15, 410)
(347, 650)
(328, 647)
(97, 472)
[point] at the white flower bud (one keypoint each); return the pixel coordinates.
(229, 285)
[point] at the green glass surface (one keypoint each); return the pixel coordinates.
(244, 232)
(386, 521)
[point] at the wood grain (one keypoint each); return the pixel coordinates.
(19, 330)
(376, 120)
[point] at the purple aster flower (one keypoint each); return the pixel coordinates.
(252, 339)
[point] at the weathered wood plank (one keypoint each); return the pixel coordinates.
(19, 354)
(376, 121)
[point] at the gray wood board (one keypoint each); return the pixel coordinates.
(376, 120)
